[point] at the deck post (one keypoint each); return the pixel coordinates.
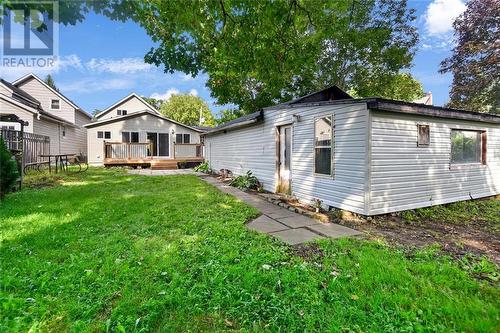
(129, 151)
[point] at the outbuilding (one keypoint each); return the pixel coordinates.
(369, 156)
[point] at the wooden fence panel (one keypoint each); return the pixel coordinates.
(33, 145)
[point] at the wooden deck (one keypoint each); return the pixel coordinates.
(136, 154)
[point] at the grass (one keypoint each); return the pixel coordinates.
(107, 251)
(480, 210)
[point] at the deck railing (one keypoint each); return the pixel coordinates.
(188, 150)
(127, 150)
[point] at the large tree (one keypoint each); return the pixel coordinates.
(261, 52)
(188, 109)
(50, 82)
(475, 60)
(401, 86)
(257, 53)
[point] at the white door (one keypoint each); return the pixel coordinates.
(285, 156)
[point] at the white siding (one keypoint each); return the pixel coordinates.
(404, 176)
(254, 148)
(50, 129)
(132, 104)
(45, 95)
(142, 124)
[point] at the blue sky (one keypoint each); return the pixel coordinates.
(101, 61)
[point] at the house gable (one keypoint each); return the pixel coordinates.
(131, 103)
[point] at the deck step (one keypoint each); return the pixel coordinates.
(164, 165)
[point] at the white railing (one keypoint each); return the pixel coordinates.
(188, 150)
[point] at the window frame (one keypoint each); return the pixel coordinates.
(184, 138)
(482, 138)
(101, 133)
(332, 147)
(423, 145)
(58, 104)
(130, 135)
(105, 134)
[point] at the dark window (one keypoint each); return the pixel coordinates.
(107, 135)
(63, 131)
(55, 104)
(467, 147)
(124, 112)
(424, 135)
(134, 136)
(99, 134)
(323, 134)
(125, 136)
(178, 138)
(187, 138)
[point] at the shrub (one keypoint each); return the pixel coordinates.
(203, 167)
(246, 182)
(8, 170)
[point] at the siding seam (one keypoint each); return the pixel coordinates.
(368, 173)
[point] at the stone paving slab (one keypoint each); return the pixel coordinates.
(296, 236)
(290, 227)
(297, 221)
(333, 230)
(265, 224)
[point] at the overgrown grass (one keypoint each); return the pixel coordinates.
(463, 212)
(107, 251)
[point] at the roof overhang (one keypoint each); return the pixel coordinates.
(137, 114)
(123, 100)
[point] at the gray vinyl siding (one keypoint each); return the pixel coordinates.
(254, 148)
(44, 96)
(8, 108)
(132, 105)
(142, 124)
(404, 176)
(50, 129)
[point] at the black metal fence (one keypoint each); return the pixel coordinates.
(31, 145)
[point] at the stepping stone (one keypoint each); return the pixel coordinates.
(280, 213)
(296, 236)
(297, 221)
(333, 230)
(265, 224)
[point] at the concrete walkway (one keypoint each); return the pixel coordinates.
(286, 225)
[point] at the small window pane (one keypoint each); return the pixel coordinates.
(423, 135)
(125, 136)
(118, 112)
(134, 136)
(54, 104)
(178, 138)
(107, 135)
(124, 112)
(187, 138)
(323, 145)
(465, 147)
(99, 135)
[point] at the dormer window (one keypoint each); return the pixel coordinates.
(121, 112)
(55, 104)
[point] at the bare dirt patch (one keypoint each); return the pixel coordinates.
(470, 237)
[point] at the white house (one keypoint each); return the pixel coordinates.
(47, 112)
(132, 132)
(369, 156)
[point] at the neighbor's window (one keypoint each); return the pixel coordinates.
(100, 134)
(55, 104)
(130, 136)
(467, 147)
(125, 136)
(323, 145)
(424, 135)
(63, 131)
(107, 135)
(121, 112)
(182, 138)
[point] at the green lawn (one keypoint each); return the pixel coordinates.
(107, 251)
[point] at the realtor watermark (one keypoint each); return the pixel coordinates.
(30, 34)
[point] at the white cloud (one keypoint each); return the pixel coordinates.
(118, 66)
(193, 92)
(90, 85)
(186, 77)
(165, 96)
(440, 15)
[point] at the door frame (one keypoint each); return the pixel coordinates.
(278, 157)
(158, 145)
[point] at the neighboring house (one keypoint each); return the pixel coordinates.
(47, 112)
(369, 156)
(132, 132)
